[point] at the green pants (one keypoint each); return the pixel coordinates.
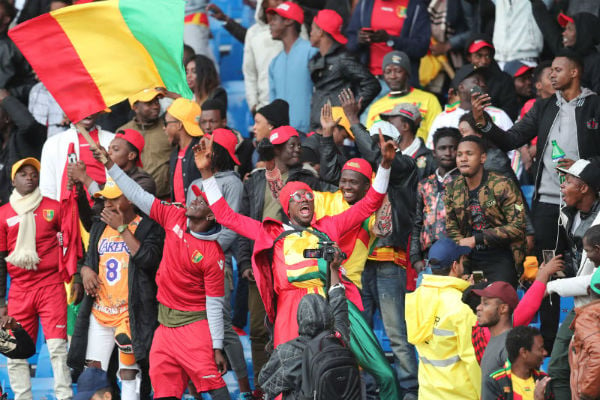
(369, 355)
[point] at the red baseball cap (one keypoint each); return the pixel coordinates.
(282, 134)
(331, 22)
(288, 10)
(564, 19)
(228, 140)
(500, 290)
(478, 45)
(359, 165)
(136, 139)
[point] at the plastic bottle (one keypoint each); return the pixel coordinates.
(557, 155)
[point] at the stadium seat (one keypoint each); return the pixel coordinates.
(43, 388)
(238, 114)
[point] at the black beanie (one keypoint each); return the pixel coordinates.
(277, 113)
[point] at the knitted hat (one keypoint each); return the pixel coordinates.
(277, 112)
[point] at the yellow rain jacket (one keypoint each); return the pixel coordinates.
(439, 324)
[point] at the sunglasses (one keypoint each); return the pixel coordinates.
(297, 196)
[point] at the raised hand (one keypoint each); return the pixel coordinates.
(479, 101)
(350, 105)
(327, 122)
(101, 155)
(388, 151)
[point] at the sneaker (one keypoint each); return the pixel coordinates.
(246, 396)
(258, 394)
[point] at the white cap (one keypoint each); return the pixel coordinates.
(387, 129)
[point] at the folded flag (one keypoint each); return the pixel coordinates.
(94, 55)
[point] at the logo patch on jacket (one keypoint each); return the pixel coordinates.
(197, 257)
(592, 124)
(48, 215)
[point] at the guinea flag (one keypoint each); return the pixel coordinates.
(94, 55)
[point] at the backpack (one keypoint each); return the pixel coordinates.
(329, 370)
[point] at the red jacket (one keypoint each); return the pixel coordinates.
(264, 234)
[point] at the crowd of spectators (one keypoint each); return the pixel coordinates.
(443, 156)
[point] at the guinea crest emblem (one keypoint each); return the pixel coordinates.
(48, 215)
(197, 257)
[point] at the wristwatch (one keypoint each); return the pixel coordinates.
(122, 228)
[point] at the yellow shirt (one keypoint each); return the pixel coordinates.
(428, 105)
(111, 305)
(523, 389)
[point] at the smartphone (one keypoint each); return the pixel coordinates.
(477, 90)
(478, 276)
(548, 255)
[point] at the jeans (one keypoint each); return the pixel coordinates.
(545, 223)
(384, 287)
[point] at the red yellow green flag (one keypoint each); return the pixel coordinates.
(94, 55)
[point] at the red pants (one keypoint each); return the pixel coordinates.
(180, 354)
(49, 303)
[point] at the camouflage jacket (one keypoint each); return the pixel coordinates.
(502, 205)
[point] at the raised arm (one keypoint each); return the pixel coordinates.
(241, 224)
(356, 214)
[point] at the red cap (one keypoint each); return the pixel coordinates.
(288, 10)
(361, 166)
(136, 139)
(522, 70)
(500, 290)
(564, 19)
(198, 193)
(282, 134)
(478, 45)
(228, 140)
(289, 189)
(331, 22)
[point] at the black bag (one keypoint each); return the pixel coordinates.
(329, 370)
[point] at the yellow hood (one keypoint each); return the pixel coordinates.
(422, 305)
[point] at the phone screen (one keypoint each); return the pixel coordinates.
(478, 276)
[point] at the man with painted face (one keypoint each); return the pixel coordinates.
(190, 281)
(283, 276)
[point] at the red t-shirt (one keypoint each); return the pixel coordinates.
(190, 269)
(47, 223)
(93, 168)
(388, 15)
(178, 187)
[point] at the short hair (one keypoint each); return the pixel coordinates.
(572, 56)
(520, 337)
(221, 159)
(592, 235)
(537, 72)
(214, 104)
(474, 139)
(446, 132)
(9, 8)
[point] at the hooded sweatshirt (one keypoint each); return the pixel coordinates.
(563, 130)
(439, 324)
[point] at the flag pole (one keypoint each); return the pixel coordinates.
(93, 145)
